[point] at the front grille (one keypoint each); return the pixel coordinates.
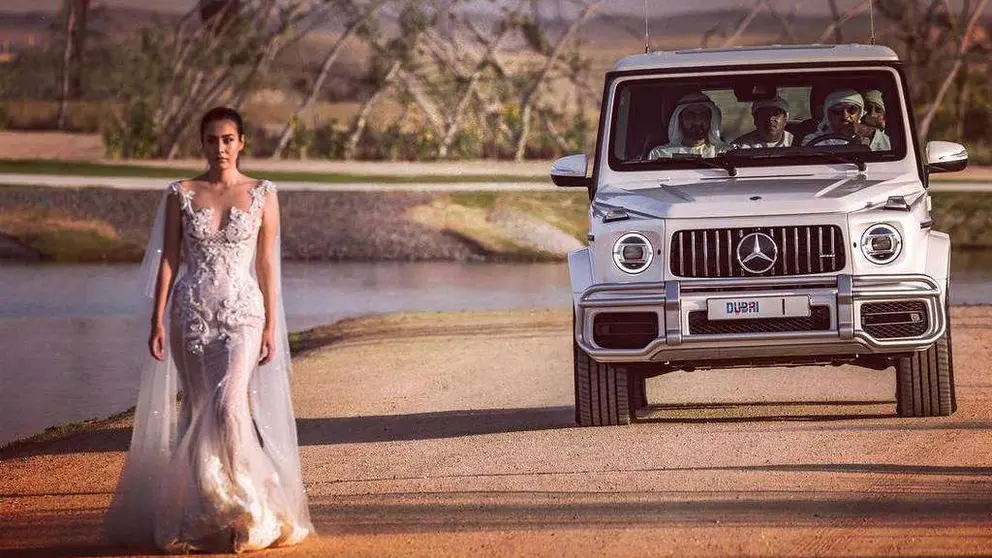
(818, 320)
(892, 320)
(625, 330)
(801, 250)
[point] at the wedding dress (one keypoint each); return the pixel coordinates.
(219, 471)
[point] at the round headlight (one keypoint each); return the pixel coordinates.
(633, 253)
(881, 244)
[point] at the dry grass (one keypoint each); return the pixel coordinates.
(473, 217)
(59, 237)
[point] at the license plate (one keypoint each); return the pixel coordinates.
(763, 307)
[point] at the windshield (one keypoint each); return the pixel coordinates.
(807, 117)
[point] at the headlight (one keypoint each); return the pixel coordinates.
(881, 244)
(633, 253)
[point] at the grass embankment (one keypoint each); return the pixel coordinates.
(500, 226)
(534, 226)
(74, 168)
(58, 236)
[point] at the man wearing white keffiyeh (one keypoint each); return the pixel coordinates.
(694, 129)
(842, 114)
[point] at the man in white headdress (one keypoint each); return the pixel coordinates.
(874, 109)
(842, 113)
(770, 117)
(694, 129)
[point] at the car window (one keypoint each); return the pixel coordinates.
(790, 118)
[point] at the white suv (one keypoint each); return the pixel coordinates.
(761, 206)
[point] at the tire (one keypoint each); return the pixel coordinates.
(601, 391)
(925, 379)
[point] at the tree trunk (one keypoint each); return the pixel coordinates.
(70, 27)
(318, 84)
(530, 95)
(361, 120)
(77, 64)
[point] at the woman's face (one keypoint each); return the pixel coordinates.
(221, 144)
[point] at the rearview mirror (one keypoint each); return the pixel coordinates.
(946, 156)
(570, 171)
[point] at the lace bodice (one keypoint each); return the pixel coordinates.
(218, 295)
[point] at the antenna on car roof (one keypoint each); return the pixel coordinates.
(871, 20)
(647, 36)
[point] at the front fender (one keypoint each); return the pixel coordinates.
(580, 270)
(938, 256)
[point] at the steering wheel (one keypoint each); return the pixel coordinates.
(848, 140)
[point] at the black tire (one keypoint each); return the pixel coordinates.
(637, 389)
(925, 379)
(601, 392)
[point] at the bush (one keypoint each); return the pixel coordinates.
(133, 137)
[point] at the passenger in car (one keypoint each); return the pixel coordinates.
(693, 129)
(842, 113)
(874, 109)
(770, 117)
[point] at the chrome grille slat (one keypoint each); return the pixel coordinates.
(833, 249)
(819, 235)
(710, 249)
(716, 259)
(706, 254)
(692, 246)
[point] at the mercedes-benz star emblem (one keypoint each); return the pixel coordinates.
(757, 252)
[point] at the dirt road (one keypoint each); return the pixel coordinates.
(451, 434)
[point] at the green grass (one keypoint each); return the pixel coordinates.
(64, 168)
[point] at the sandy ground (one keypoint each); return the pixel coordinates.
(452, 435)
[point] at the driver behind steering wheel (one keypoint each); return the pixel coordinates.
(842, 113)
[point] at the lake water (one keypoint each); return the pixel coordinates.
(72, 338)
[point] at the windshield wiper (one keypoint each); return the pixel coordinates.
(852, 158)
(716, 163)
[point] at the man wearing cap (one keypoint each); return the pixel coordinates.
(694, 129)
(842, 113)
(770, 116)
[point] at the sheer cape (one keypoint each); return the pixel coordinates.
(138, 504)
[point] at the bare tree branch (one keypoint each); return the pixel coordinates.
(834, 27)
(325, 68)
(744, 23)
(529, 95)
(962, 51)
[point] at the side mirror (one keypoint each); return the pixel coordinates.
(570, 171)
(946, 156)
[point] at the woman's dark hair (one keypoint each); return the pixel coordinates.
(222, 113)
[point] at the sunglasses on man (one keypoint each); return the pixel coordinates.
(839, 110)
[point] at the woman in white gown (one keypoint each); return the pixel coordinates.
(220, 470)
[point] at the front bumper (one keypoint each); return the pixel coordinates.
(843, 295)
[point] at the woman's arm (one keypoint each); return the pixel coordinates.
(171, 246)
(265, 269)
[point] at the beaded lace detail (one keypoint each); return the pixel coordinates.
(218, 295)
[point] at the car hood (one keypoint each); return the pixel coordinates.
(736, 197)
